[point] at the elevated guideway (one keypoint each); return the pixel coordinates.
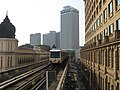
(59, 83)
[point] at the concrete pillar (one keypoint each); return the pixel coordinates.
(115, 62)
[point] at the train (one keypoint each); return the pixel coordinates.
(57, 56)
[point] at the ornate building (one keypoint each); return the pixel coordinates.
(10, 54)
(100, 57)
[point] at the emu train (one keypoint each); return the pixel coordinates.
(57, 56)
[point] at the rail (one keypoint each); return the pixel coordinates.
(62, 79)
(20, 77)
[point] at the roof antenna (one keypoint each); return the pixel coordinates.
(6, 12)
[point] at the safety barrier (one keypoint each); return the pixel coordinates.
(62, 79)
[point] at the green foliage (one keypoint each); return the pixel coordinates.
(71, 53)
(45, 47)
(26, 46)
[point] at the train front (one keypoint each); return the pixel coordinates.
(55, 56)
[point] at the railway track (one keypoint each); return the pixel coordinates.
(6, 75)
(26, 80)
(41, 85)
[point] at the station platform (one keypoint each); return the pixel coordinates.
(54, 84)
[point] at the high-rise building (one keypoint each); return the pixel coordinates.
(69, 28)
(35, 39)
(49, 38)
(101, 53)
(52, 38)
(57, 40)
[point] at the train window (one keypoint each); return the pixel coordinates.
(55, 54)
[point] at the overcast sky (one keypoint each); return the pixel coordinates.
(38, 16)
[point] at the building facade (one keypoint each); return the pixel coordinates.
(57, 40)
(11, 55)
(51, 38)
(101, 54)
(35, 39)
(69, 38)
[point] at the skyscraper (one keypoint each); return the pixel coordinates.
(52, 38)
(69, 28)
(35, 39)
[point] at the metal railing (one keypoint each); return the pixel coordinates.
(62, 79)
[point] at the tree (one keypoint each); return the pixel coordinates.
(26, 46)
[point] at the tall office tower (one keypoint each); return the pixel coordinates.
(101, 53)
(35, 39)
(57, 40)
(49, 38)
(69, 28)
(52, 38)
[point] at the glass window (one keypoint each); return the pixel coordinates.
(97, 10)
(100, 5)
(110, 7)
(118, 24)
(101, 36)
(55, 54)
(119, 58)
(100, 19)
(118, 2)
(1, 61)
(111, 29)
(104, 1)
(95, 26)
(105, 14)
(94, 39)
(105, 32)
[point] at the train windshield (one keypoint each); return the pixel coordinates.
(55, 54)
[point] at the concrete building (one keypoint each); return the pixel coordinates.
(52, 38)
(69, 28)
(11, 55)
(57, 40)
(49, 38)
(35, 39)
(100, 57)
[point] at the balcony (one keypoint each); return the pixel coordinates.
(106, 39)
(114, 36)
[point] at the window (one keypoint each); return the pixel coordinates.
(94, 4)
(110, 7)
(118, 24)
(118, 2)
(55, 54)
(100, 19)
(1, 62)
(111, 29)
(104, 1)
(105, 32)
(109, 58)
(97, 10)
(95, 26)
(100, 5)
(96, 1)
(97, 23)
(98, 37)
(105, 14)
(101, 36)
(94, 14)
(94, 39)
(112, 59)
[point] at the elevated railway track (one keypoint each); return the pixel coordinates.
(8, 74)
(22, 81)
